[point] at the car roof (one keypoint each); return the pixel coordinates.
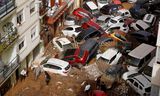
(109, 53)
(88, 44)
(63, 41)
(57, 62)
(92, 5)
(85, 33)
(148, 18)
(143, 24)
(141, 51)
(145, 82)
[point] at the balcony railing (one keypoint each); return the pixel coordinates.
(6, 6)
(7, 40)
(7, 70)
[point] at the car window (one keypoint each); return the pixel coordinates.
(131, 80)
(112, 58)
(69, 28)
(81, 53)
(113, 21)
(139, 27)
(52, 66)
(141, 63)
(121, 21)
(66, 68)
(148, 57)
(136, 84)
(59, 44)
(147, 71)
(126, 13)
(140, 87)
(78, 29)
(148, 89)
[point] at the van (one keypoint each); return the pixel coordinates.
(91, 7)
(140, 56)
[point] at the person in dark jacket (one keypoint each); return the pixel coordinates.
(47, 78)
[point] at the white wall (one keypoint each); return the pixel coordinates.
(24, 30)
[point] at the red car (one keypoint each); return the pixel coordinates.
(82, 13)
(99, 93)
(82, 54)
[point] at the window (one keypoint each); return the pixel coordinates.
(148, 57)
(33, 33)
(136, 84)
(20, 17)
(32, 7)
(21, 45)
(59, 44)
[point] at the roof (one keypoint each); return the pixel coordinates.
(148, 18)
(109, 53)
(117, 18)
(103, 17)
(58, 62)
(92, 5)
(141, 51)
(88, 44)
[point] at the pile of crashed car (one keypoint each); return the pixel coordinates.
(92, 27)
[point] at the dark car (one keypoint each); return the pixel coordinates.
(137, 11)
(144, 37)
(88, 33)
(102, 40)
(83, 54)
(109, 9)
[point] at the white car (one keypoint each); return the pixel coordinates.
(150, 19)
(101, 3)
(111, 56)
(115, 21)
(57, 66)
(141, 84)
(62, 43)
(123, 27)
(124, 13)
(145, 71)
(103, 19)
(72, 30)
(140, 25)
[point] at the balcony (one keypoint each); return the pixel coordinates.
(7, 40)
(6, 6)
(7, 69)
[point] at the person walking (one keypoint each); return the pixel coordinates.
(47, 78)
(37, 72)
(23, 74)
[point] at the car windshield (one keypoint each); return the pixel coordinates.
(148, 71)
(67, 46)
(78, 29)
(66, 68)
(69, 52)
(69, 28)
(133, 61)
(113, 21)
(105, 59)
(81, 53)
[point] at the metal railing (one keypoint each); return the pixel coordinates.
(6, 6)
(7, 40)
(7, 70)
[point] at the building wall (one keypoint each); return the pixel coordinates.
(30, 22)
